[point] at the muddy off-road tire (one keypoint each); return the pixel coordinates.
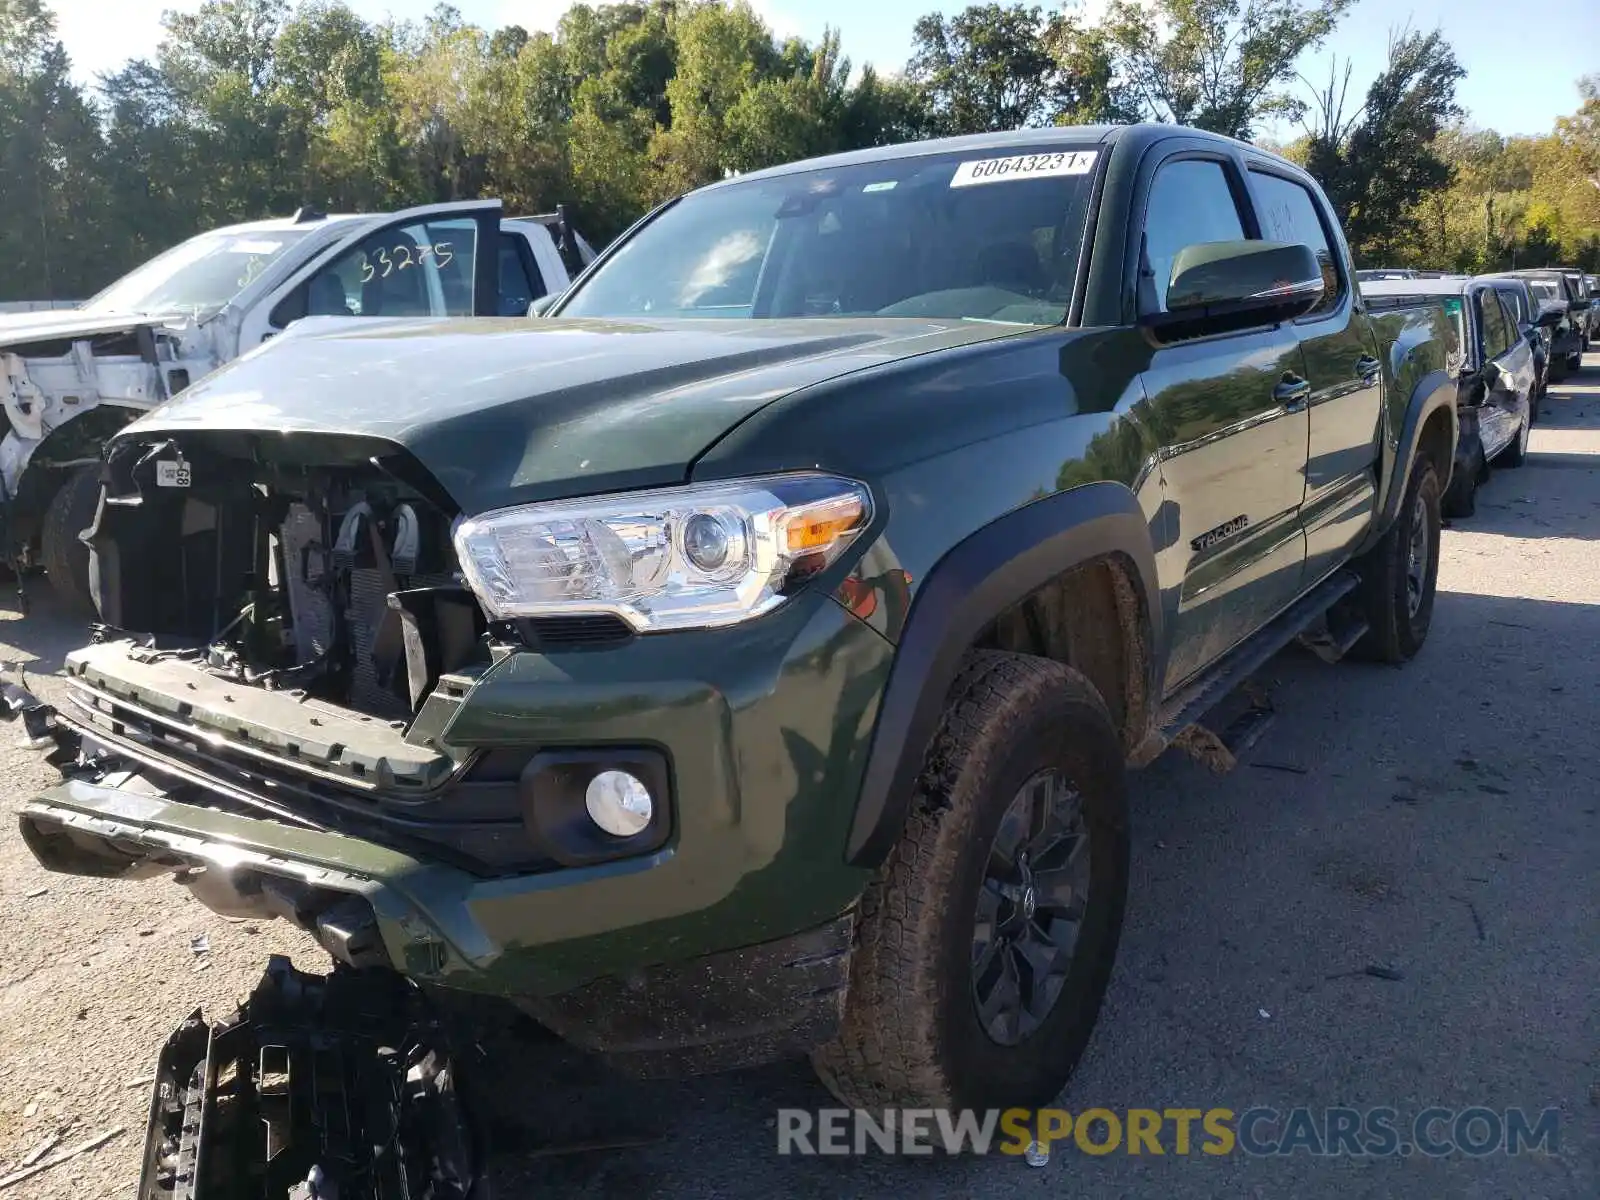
(1399, 575)
(65, 558)
(959, 902)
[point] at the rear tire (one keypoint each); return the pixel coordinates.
(970, 895)
(1574, 363)
(65, 558)
(1399, 575)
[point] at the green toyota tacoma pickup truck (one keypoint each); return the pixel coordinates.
(746, 656)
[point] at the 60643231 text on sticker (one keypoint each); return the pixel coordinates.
(1024, 166)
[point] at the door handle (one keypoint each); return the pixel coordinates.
(1367, 366)
(1292, 392)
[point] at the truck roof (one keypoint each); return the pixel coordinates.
(279, 224)
(1441, 285)
(1056, 135)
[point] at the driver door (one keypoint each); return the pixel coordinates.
(437, 260)
(1228, 412)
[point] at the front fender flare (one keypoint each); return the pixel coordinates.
(975, 582)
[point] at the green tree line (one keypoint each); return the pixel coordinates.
(252, 108)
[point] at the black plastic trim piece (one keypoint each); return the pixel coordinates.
(975, 582)
(719, 1012)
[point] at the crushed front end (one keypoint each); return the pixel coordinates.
(297, 708)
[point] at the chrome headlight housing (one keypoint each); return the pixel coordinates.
(691, 557)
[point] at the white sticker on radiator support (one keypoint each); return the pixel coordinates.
(172, 473)
(1024, 166)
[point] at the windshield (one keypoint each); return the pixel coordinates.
(197, 276)
(953, 236)
(1546, 289)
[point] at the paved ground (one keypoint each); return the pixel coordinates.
(1441, 822)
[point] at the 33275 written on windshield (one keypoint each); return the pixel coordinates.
(1024, 166)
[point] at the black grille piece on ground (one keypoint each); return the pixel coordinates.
(319, 1086)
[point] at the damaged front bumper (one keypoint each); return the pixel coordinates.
(728, 943)
(361, 901)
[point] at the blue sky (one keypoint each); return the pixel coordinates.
(1521, 67)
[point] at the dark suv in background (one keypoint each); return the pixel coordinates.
(1569, 339)
(1524, 305)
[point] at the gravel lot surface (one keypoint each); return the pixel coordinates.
(1441, 821)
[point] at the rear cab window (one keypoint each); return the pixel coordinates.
(520, 281)
(1289, 213)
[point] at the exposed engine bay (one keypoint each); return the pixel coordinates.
(334, 581)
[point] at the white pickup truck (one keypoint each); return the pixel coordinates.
(71, 378)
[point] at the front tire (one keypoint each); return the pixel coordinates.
(64, 556)
(985, 944)
(1399, 575)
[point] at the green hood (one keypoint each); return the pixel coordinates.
(511, 411)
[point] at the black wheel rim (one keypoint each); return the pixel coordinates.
(1417, 557)
(1030, 908)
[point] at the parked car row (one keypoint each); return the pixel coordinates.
(1516, 331)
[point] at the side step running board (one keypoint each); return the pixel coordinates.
(1330, 644)
(1180, 716)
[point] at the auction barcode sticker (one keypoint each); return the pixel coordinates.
(1024, 166)
(173, 474)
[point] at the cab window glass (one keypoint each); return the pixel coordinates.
(1516, 303)
(419, 270)
(1496, 329)
(1289, 214)
(1190, 203)
(518, 287)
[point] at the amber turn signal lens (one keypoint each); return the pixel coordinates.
(818, 527)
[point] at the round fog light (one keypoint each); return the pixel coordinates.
(619, 803)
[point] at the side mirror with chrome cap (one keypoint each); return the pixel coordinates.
(1215, 287)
